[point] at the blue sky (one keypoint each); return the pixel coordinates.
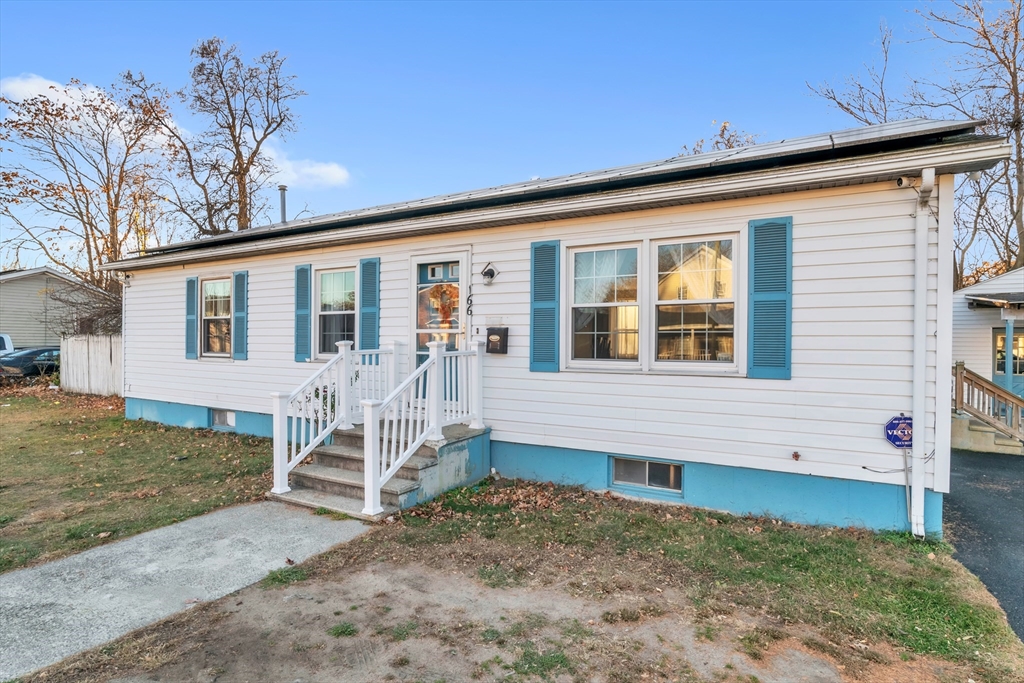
(416, 99)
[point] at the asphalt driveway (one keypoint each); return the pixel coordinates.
(57, 609)
(984, 519)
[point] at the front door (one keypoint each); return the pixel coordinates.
(1012, 362)
(439, 306)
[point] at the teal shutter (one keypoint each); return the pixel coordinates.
(192, 317)
(303, 294)
(369, 303)
(770, 299)
(240, 316)
(544, 288)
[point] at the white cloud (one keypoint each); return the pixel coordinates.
(27, 85)
(306, 173)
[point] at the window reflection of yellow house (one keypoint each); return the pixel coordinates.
(699, 276)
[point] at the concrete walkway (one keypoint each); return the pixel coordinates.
(55, 610)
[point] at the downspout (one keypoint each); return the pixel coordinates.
(922, 217)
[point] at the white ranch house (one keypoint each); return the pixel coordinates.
(730, 330)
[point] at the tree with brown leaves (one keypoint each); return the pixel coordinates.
(78, 181)
(726, 137)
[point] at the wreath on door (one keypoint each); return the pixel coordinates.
(444, 298)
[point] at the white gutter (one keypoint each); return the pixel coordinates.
(878, 168)
(922, 218)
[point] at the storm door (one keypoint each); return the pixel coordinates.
(439, 306)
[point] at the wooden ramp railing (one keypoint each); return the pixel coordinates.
(984, 401)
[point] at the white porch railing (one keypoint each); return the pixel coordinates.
(446, 389)
(329, 400)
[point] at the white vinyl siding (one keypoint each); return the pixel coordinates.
(853, 251)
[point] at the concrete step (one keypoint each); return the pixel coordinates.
(998, 438)
(354, 438)
(970, 434)
(347, 457)
(976, 426)
(314, 499)
(348, 483)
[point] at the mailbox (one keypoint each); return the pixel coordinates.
(497, 340)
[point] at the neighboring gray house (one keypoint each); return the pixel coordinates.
(28, 312)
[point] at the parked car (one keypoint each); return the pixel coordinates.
(42, 360)
(6, 345)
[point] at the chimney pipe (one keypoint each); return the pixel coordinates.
(284, 191)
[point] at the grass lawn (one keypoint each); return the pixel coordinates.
(515, 581)
(76, 474)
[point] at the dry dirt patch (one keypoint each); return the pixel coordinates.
(516, 582)
(417, 623)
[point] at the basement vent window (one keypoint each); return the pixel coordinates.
(658, 475)
(224, 419)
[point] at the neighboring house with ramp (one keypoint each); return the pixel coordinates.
(988, 339)
(731, 330)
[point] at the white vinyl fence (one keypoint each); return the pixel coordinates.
(91, 364)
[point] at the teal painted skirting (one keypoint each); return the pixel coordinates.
(798, 498)
(183, 415)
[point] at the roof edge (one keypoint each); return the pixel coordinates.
(968, 155)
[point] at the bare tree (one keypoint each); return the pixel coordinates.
(981, 82)
(216, 175)
(81, 309)
(865, 99)
(80, 160)
(724, 138)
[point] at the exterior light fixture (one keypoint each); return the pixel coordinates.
(489, 273)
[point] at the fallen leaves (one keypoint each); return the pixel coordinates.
(517, 498)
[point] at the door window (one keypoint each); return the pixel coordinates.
(438, 307)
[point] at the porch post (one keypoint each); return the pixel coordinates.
(1008, 348)
(958, 387)
(476, 392)
(280, 442)
(390, 361)
(346, 385)
(371, 457)
(435, 391)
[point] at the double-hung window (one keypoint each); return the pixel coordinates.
(216, 317)
(605, 306)
(677, 312)
(696, 306)
(336, 311)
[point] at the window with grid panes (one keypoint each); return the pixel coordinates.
(605, 310)
(336, 312)
(216, 317)
(696, 306)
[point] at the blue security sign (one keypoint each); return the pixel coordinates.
(899, 431)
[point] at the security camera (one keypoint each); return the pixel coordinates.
(904, 181)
